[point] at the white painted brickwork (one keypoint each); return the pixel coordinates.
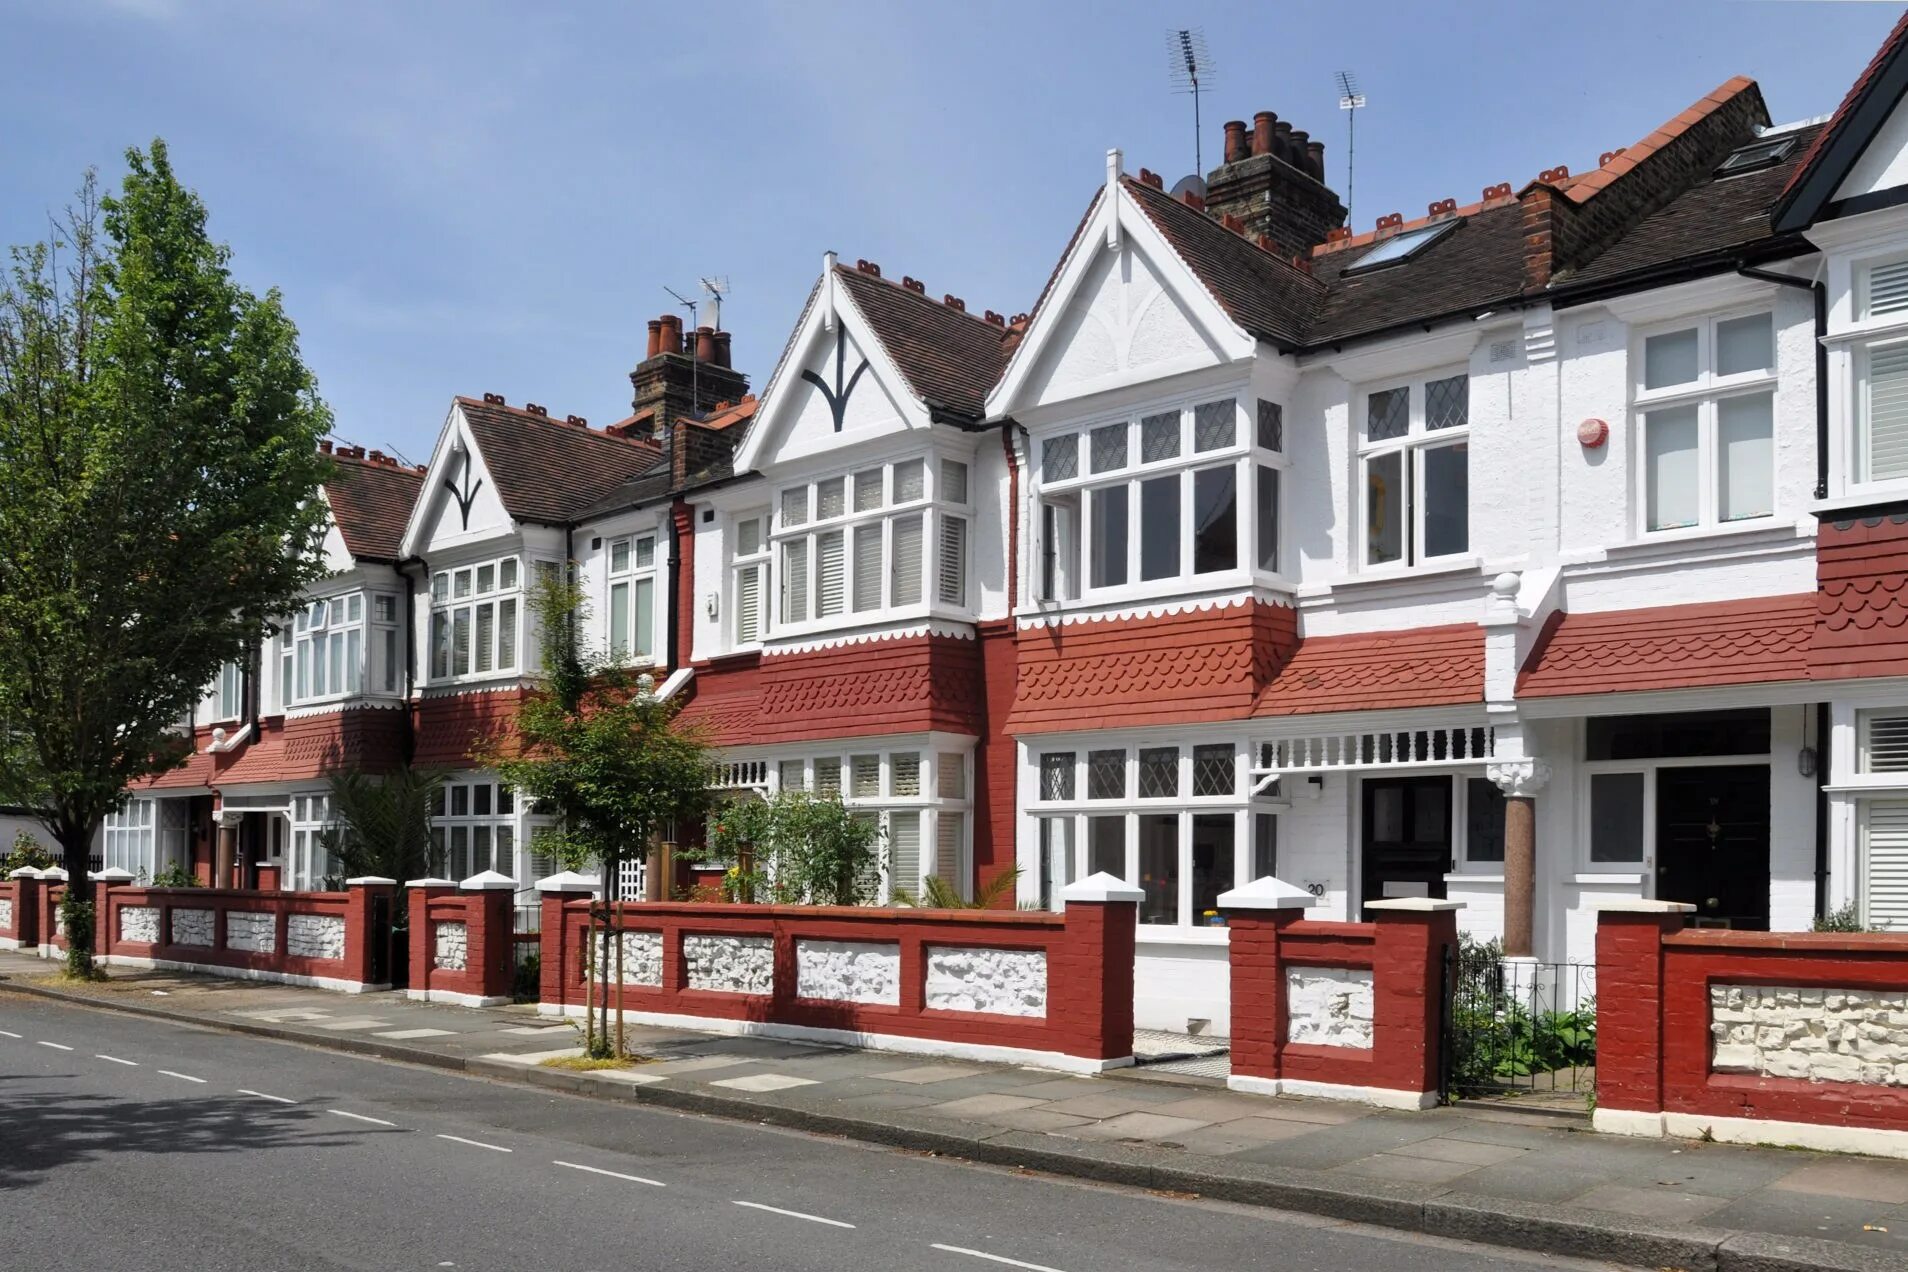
(453, 946)
(192, 927)
(137, 923)
(1328, 1006)
(1003, 982)
(1823, 1035)
(642, 957)
(737, 964)
(848, 971)
(315, 936)
(254, 933)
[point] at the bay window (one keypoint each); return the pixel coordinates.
(339, 646)
(1155, 499)
(916, 796)
(855, 544)
(1705, 410)
(475, 614)
(1174, 818)
(632, 598)
(1414, 463)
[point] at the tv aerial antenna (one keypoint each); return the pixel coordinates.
(716, 288)
(1349, 101)
(1190, 68)
(695, 365)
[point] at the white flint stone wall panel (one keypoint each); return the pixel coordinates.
(250, 931)
(192, 927)
(849, 971)
(1821, 1035)
(1328, 1006)
(452, 941)
(973, 978)
(642, 957)
(136, 923)
(315, 936)
(736, 964)
(6, 913)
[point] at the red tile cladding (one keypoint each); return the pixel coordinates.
(1757, 641)
(1199, 665)
(901, 684)
(199, 770)
(286, 750)
(725, 719)
(1419, 667)
(1861, 598)
(451, 727)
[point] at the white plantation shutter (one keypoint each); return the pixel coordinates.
(831, 575)
(1885, 852)
(1884, 743)
(947, 850)
(795, 581)
(748, 604)
(867, 568)
(951, 571)
(1888, 289)
(904, 851)
(907, 561)
(1885, 396)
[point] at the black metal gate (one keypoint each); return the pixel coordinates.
(1515, 1025)
(390, 945)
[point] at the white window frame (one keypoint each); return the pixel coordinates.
(456, 811)
(1649, 769)
(1239, 804)
(937, 513)
(1063, 520)
(753, 564)
(129, 838)
(304, 646)
(641, 643)
(308, 864)
(455, 590)
(1418, 440)
(1705, 392)
(1866, 333)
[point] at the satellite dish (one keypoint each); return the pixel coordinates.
(1190, 185)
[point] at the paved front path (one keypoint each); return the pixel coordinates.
(1500, 1176)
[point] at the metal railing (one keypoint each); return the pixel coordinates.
(1518, 1025)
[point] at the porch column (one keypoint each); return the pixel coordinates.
(226, 855)
(1520, 780)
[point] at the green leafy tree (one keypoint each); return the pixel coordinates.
(595, 749)
(382, 825)
(158, 467)
(798, 848)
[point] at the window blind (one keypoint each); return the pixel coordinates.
(1888, 288)
(748, 604)
(904, 851)
(1884, 743)
(795, 581)
(1886, 852)
(867, 568)
(947, 850)
(906, 576)
(951, 571)
(831, 574)
(1886, 446)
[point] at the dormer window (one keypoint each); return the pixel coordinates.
(632, 598)
(855, 544)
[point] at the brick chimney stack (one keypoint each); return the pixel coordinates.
(1273, 180)
(681, 381)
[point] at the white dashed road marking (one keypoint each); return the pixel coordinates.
(130, 1064)
(8, 1033)
(458, 1139)
(359, 1117)
(794, 1214)
(994, 1258)
(613, 1174)
(183, 1077)
(275, 1099)
(57, 1046)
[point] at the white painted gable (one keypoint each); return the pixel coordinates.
(845, 366)
(440, 518)
(337, 556)
(1884, 164)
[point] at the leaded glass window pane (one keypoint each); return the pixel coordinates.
(910, 481)
(794, 775)
(1215, 425)
(1056, 775)
(795, 506)
(904, 769)
(1060, 458)
(1447, 403)
(1106, 774)
(953, 481)
(1388, 414)
(1109, 447)
(867, 776)
(1212, 769)
(868, 490)
(830, 498)
(1159, 772)
(1271, 426)
(828, 776)
(1159, 437)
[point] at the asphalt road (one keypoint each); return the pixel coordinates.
(133, 1144)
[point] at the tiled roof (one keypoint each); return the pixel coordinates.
(450, 728)
(725, 719)
(906, 684)
(1861, 624)
(1259, 290)
(287, 750)
(371, 502)
(1838, 123)
(1193, 666)
(1474, 266)
(1419, 667)
(1584, 186)
(949, 357)
(199, 770)
(1719, 214)
(1672, 647)
(548, 470)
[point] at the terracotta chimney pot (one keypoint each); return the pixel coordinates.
(1236, 145)
(1263, 125)
(655, 339)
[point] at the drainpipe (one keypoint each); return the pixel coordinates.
(672, 617)
(410, 647)
(1820, 292)
(1016, 495)
(1822, 771)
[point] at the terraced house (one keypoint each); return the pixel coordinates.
(1543, 548)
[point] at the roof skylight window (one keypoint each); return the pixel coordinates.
(1401, 247)
(1756, 155)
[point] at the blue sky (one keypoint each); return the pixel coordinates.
(470, 198)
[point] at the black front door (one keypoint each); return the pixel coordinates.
(1712, 842)
(1407, 837)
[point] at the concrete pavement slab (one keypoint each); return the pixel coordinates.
(1405, 1170)
(926, 1073)
(759, 1082)
(1651, 1203)
(1036, 1120)
(980, 1107)
(412, 1035)
(1464, 1152)
(1856, 1177)
(1137, 1126)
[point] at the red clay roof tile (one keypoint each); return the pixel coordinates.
(1765, 639)
(1419, 667)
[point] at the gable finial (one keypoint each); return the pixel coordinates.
(1113, 170)
(828, 291)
